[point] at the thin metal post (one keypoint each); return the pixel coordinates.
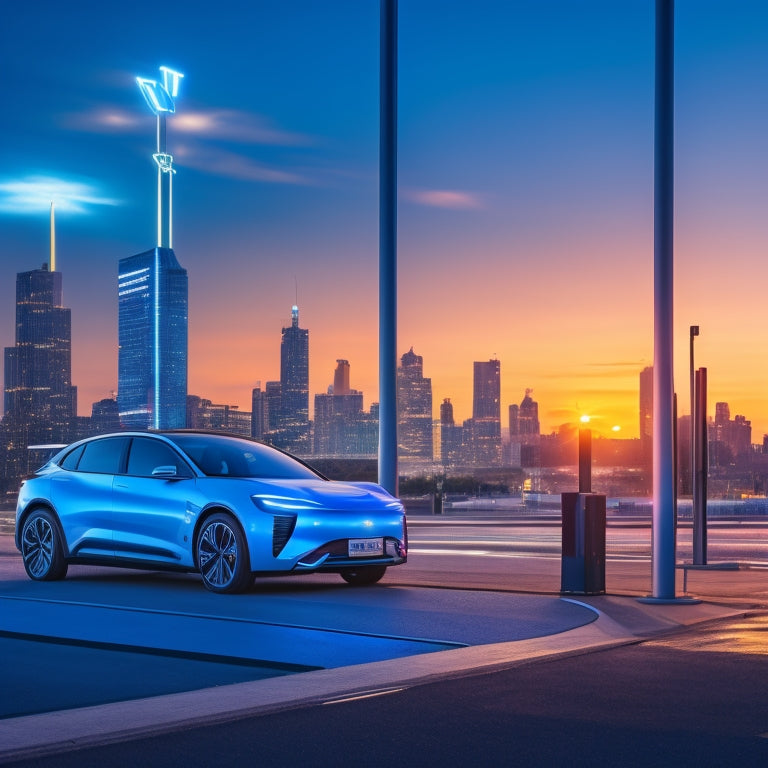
(585, 461)
(692, 451)
(388, 473)
(700, 472)
(663, 538)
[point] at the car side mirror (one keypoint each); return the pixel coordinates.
(164, 471)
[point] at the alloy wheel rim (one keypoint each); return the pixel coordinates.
(217, 554)
(38, 546)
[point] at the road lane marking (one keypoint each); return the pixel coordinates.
(363, 695)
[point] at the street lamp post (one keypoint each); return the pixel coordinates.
(160, 98)
(663, 563)
(694, 333)
(388, 472)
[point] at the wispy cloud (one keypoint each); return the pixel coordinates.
(445, 198)
(199, 140)
(104, 119)
(232, 125)
(219, 124)
(234, 165)
(34, 195)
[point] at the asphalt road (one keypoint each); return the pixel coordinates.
(696, 698)
(105, 635)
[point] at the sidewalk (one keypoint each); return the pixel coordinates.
(501, 623)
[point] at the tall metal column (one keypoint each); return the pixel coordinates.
(388, 473)
(663, 538)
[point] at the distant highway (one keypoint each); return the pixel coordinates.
(506, 538)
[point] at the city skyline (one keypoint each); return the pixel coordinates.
(525, 191)
(486, 386)
(40, 398)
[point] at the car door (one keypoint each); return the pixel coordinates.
(153, 509)
(82, 495)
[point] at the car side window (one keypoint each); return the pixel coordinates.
(147, 454)
(103, 456)
(71, 459)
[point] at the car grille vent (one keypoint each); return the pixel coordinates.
(282, 528)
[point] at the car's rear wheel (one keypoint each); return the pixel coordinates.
(42, 547)
(365, 574)
(222, 555)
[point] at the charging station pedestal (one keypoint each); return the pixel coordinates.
(583, 555)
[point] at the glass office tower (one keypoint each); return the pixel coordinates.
(152, 335)
(483, 435)
(414, 408)
(294, 372)
(291, 429)
(40, 401)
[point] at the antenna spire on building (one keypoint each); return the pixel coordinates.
(53, 240)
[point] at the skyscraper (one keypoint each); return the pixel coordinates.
(39, 399)
(483, 430)
(341, 378)
(273, 399)
(524, 431)
(342, 428)
(293, 427)
(451, 435)
(259, 413)
(728, 439)
(152, 337)
(486, 395)
(414, 408)
(104, 416)
(528, 416)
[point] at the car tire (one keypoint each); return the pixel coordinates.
(222, 555)
(42, 547)
(365, 574)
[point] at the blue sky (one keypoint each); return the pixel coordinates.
(525, 188)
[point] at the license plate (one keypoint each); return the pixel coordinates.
(366, 547)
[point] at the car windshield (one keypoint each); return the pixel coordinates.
(222, 456)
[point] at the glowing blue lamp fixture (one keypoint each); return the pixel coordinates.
(160, 99)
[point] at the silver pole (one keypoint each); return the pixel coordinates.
(663, 544)
(388, 473)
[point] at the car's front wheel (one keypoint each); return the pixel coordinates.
(222, 555)
(365, 574)
(42, 547)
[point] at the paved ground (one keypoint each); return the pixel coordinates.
(422, 633)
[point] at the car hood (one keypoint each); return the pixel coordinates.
(328, 494)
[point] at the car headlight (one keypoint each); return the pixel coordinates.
(281, 504)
